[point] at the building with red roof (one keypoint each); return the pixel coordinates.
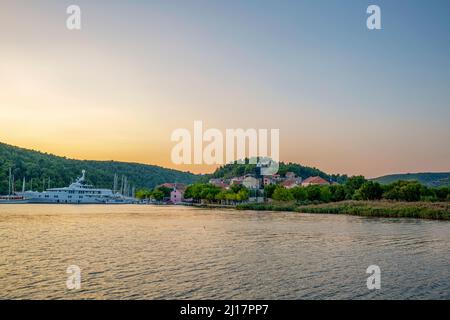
(315, 181)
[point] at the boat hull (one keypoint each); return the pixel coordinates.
(94, 201)
(14, 201)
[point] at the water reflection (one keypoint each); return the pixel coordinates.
(148, 252)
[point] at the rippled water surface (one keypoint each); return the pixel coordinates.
(152, 252)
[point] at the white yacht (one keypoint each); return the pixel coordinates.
(77, 193)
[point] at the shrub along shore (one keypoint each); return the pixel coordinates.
(387, 209)
(356, 196)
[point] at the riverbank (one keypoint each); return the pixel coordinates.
(388, 209)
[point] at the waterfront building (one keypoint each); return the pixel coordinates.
(315, 181)
(268, 180)
(291, 183)
(176, 196)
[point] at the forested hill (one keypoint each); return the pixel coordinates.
(62, 171)
(235, 170)
(428, 179)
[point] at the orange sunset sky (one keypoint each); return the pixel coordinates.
(346, 99)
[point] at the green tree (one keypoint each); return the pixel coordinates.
(299, 193)
(143, 194)
(337, 193)
(391, 192)
(429, 194)
(442, 193)
(403, 191)
(313, 192)
(236, 188)
(410, 192)
(230, 196)
(158, 195)
(371, 191)
(352, 184)
(269, 189)
(325, 194)
(191, 192)
(202, 191)
(357, 195)
(282, 194)
(165, 190)
(209, 192)
(242, 195)
(221, 195)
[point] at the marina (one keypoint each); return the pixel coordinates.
(78, 192)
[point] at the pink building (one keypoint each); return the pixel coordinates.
(176, 196)
(268, 180)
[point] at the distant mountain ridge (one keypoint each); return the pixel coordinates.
(62, 171)
(429, 179)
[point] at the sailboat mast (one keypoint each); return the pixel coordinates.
(9, 182)
(115, 183)
(23, 185)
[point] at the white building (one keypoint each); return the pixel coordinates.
(251, 183)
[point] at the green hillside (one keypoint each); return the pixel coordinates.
(428, 179)
(61, 171)
(235, 170)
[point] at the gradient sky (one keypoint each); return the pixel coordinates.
(346, 99)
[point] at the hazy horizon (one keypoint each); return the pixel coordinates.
(212, 169)
(346, 100)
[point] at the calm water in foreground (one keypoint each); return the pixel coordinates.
(151, 252)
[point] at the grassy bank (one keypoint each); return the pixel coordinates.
(392, 209)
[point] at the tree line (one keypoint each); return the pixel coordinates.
(199, 192)
(157, 194)
(358, 188)
(355, 188)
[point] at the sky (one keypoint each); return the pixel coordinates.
(346, 99)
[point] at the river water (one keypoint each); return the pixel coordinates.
(158, 252)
